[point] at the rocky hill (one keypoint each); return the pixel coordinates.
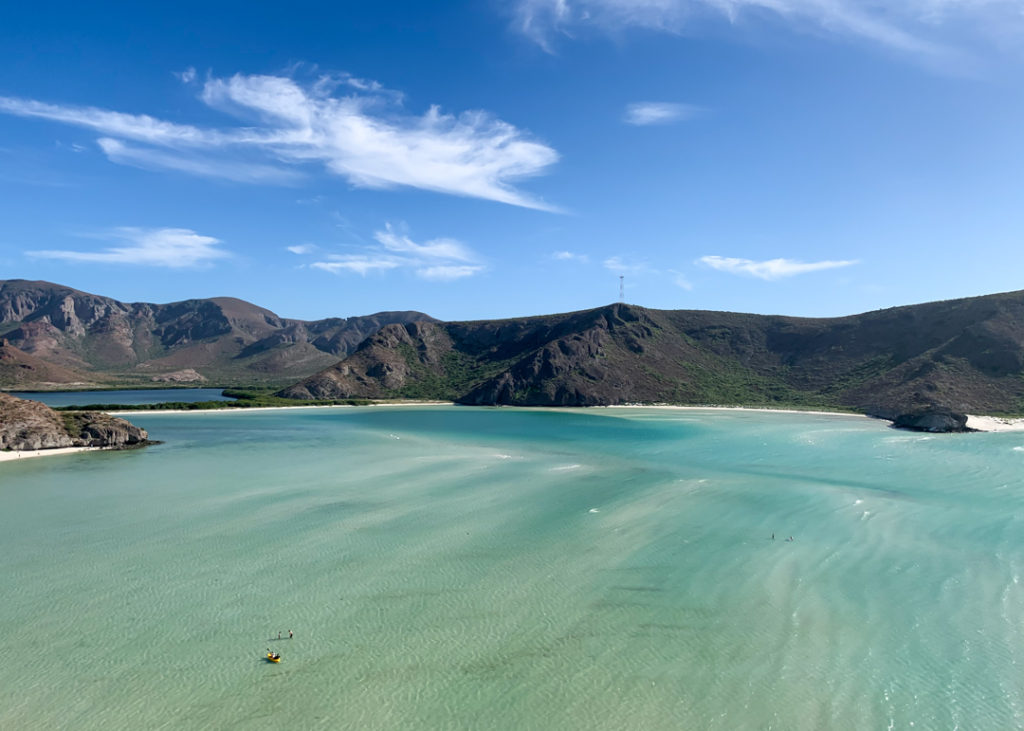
(88, 339)
(960, 355)
(26, 425)
(18, 369)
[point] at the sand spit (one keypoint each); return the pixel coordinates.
(240, 409)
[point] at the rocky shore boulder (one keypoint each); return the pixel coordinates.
(934, 419)
(30, 425)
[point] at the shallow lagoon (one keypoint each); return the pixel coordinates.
(448, 567)
(124, 397)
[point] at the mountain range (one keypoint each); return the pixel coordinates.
(52, 336)
(960, 356)
(964, 355)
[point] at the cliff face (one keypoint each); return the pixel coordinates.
(28, 424)
(960, 356)
(98, 339)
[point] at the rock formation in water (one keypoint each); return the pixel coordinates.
(29, 425)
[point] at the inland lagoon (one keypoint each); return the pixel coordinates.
(470, 568)
(59, 399)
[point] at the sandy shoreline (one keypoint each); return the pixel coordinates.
(29, 453)
(975, 422)
(736, 408)
(994, 423)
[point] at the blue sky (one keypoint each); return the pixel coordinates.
(492, 159)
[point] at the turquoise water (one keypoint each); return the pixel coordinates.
(125, 396)
(461, 568)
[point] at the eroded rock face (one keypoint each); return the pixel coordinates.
(30, 425)
(186, 375)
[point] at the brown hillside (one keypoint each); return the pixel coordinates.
(963, 355)
(223, 339)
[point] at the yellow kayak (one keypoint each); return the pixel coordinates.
(273, 657)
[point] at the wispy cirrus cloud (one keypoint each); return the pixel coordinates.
(348, 127)
(447, 273)
(570, 256)
(441, 259)
(642, 114)
(361, 264)
(624, 265)
(149, 158)
(930, 28)
(770, 269)
(680, 280)
(174, 248)
(302, 248)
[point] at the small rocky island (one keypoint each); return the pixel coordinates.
(30, 425)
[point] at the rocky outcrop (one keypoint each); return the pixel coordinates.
(933, 420)
(186, 375)
(30, 425)
(96, 429)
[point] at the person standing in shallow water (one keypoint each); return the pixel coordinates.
(290, 634)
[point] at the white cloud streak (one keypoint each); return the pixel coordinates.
(435, 249)
(174, 248)
(447, 273)
(440, 260)
(149, 158)
(362, 136)
(643, 114)
(771, 269)
(302, 249)
(930, 28)
(623, 266)
(361, 264)
(570, 256)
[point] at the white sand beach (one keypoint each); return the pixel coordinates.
(994, 423)
(734, 408)
(29, 453)
(978, 423)
(975, 422)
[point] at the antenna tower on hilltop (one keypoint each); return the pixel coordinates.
(622, 289)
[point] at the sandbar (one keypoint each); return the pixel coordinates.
(236, 409)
